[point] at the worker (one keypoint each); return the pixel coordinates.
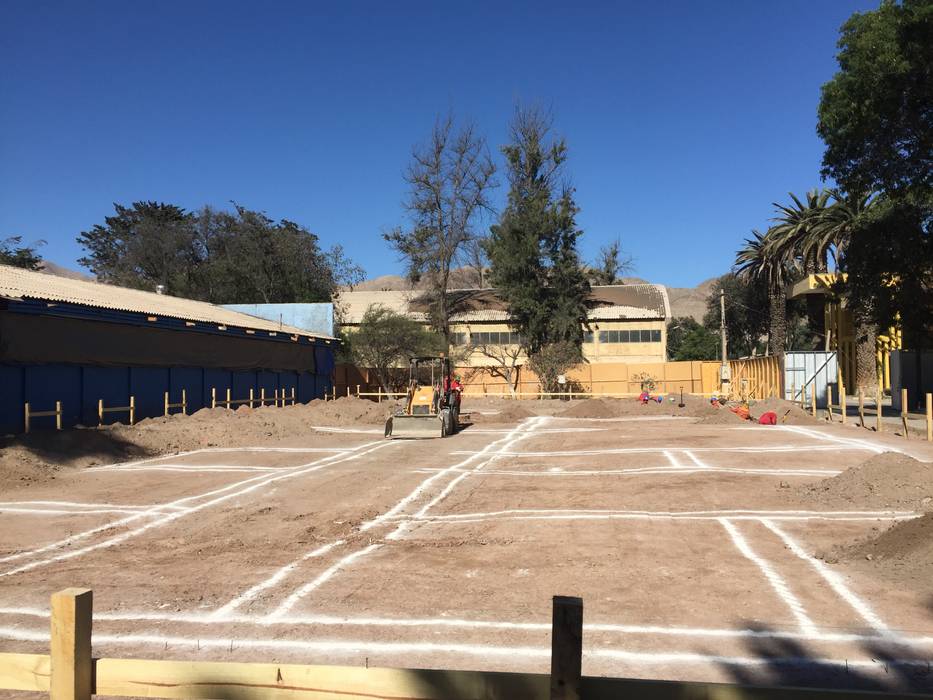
(455, 388)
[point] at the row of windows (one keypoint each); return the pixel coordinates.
(511, 338)
(632, 336)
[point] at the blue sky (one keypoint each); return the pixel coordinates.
(685, 120)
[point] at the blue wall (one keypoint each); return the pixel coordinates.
(315, 318)
(80, 387)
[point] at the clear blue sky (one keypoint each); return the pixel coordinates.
(685, 120)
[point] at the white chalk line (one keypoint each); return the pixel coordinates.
(273, 580)
(420, 489)
(318, 581)
(670, 458)
(693, 458)
(211, 620)
(629, 419)
(176, 455)
(665, 515)
(848, 442)
(261, 481)
(778, 584)
(658, 450)
(101, 511)
(364, 646)
(305, 590)
(834, 580)
(76, 505)
(652, 471)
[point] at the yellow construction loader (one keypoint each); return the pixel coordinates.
(432, 404)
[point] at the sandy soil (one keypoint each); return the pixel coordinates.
(692, 544)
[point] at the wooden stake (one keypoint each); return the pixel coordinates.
(904, 413)
(166, 404)
(213, 397)
(184, 402)
(878, 425)
(70, 645)
(842, 402)
(566, 648)
(929, 417)
(58, 415)
(293, 396)
(262, 396)
(861, 407)
(132, 409)
(26, 417)
(100, 411)
(229, 405)
(813, 399)
(251, 397)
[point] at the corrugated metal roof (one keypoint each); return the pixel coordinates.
(16, 283)
(613, 302)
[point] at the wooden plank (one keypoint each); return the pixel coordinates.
(25, 672)
(71, 667)
(929, 417)
(205, 679)
(566, 648)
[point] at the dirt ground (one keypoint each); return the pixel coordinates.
(789, 554)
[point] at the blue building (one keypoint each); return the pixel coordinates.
(79, 343)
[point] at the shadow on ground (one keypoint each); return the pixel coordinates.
(788, 662)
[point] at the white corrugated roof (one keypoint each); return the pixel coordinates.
(17, 283)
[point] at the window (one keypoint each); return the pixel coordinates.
(646, 336)
(655, 336)
(458, 338)
(588, 337)
(627, 336)
(496, 338)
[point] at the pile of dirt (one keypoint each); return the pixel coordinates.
(510, 413)
(902, 553)
(890, 480)
(788, 412)
(41, 455)
(694, 406)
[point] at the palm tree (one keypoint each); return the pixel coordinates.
(755, 260)
(795, 226)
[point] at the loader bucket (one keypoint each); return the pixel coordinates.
(414, 427)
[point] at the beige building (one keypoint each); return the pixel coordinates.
(627, 323)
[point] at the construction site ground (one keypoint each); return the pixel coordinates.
(704, 547)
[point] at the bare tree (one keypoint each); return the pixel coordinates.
(611, 264)
(450, 180)
(508, 362)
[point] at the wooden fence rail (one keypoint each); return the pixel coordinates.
(28, 414)
(131, 410)
(69, 672)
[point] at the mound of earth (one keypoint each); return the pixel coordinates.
(511, 413)
(888, 480)
(40, 455)
(902, 553)
(788, 412)
(694, 406)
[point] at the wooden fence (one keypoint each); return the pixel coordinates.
(69, 672)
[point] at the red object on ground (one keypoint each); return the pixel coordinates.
(768, 418)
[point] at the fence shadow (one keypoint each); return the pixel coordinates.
(791, 663)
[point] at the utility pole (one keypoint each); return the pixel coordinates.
(725, 374)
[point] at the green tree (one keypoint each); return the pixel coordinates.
(17, 255)
(746, 313)
(449, 183)
(754, 262)
(387, 339)
(688, 340)
(535, 266)
(874, 114)
(553, 360)
(217, 256)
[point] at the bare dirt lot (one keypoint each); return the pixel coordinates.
(703, 550)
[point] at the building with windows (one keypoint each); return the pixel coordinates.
(625, 323)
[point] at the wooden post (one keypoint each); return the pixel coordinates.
(100, 411)
(26, 417)
(184, 402)
(566, 647)
(379, 400)
(357, 391)
(842, 401)
(348, 391)
(293, 396)
(132, 410)
(904, 413)
(213, 397)
(262, 396)
(813, 398)
(229, 405)
(58, 415)
(166, 404)
(334, 391)
(70, 645)
(251, 397)
(861, 407)
(929, 417)
(878, 424)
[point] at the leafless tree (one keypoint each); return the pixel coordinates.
(508, 360)
(450, 180)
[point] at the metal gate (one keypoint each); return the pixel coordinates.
(808, 372)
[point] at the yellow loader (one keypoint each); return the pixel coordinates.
(432, 407)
